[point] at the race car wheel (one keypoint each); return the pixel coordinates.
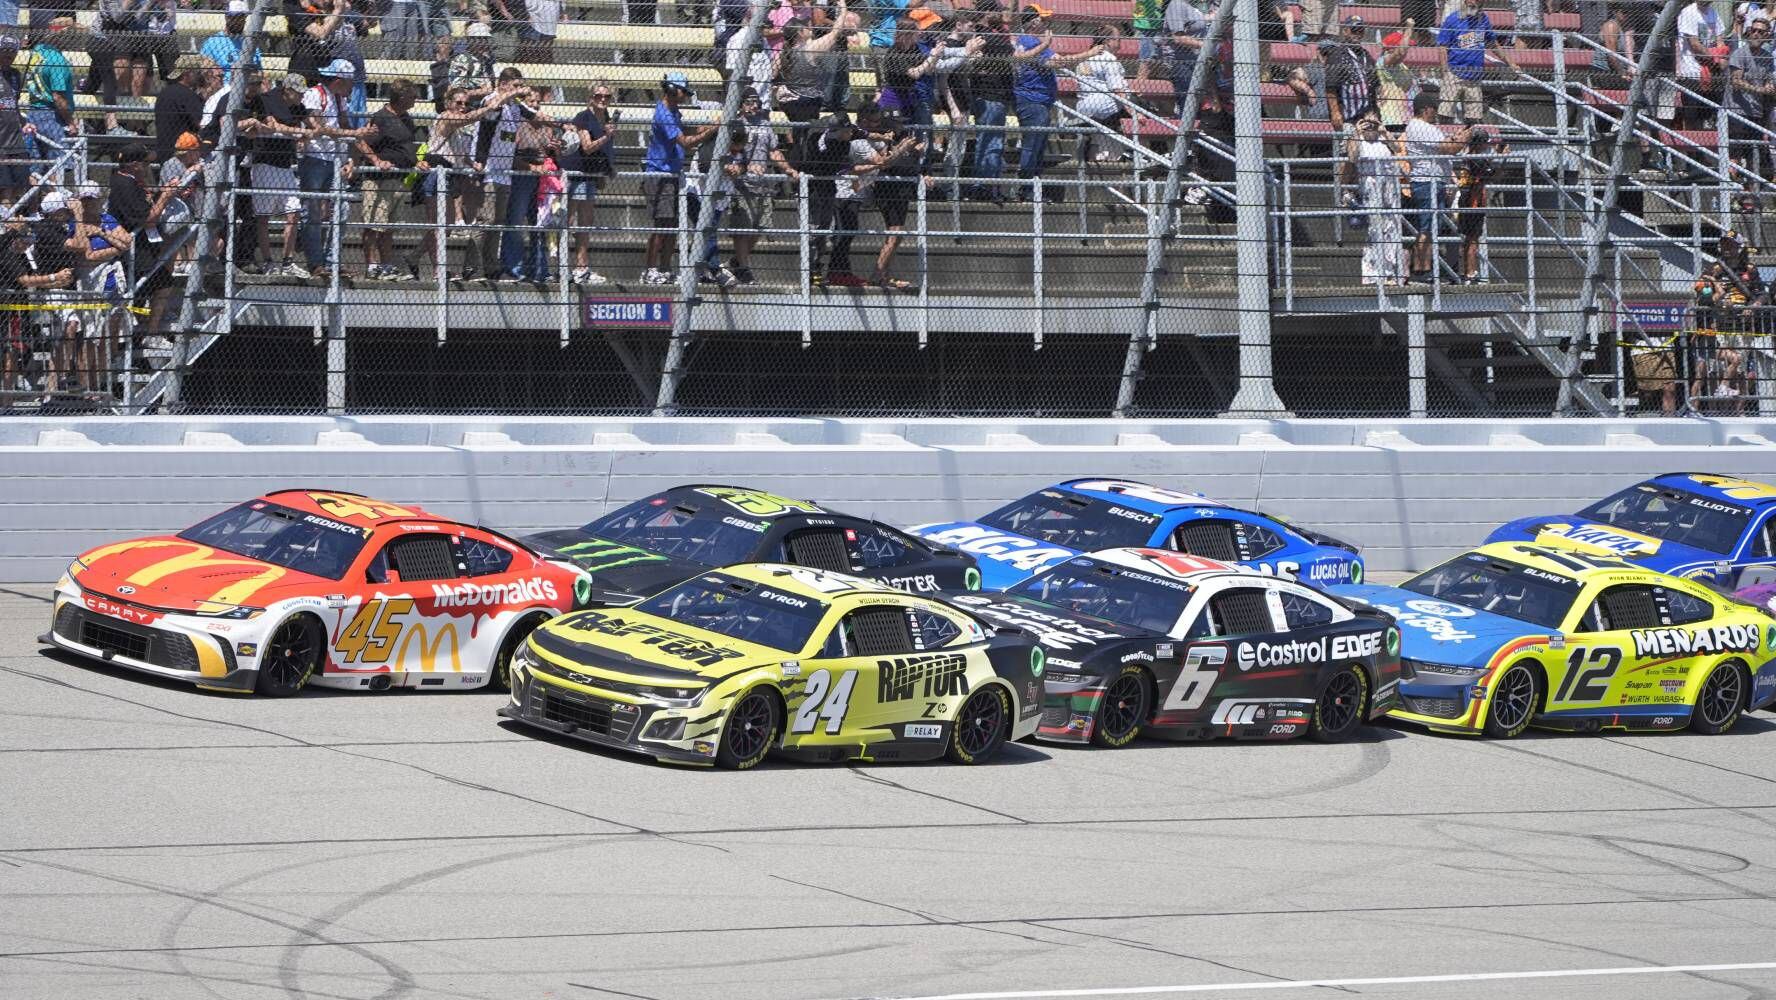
(501, 678)
(291, 658)
(1513, 704)
(1720, 701)
(1339, 711)
(980, 726)
(751, 731)
(1124, 708)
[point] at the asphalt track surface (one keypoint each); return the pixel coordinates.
(158, 842)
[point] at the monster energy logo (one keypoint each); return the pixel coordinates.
(597, 554)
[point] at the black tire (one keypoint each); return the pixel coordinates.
(291, 657)
(1720, 700)
(1340, 710)
(980, 726)
(750, 732)
(1127, 701)
(500, 678)
(1511, 705)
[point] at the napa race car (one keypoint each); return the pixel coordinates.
(1512, 635)
(1147, 640)
(644, 547)
(317, 587)
(1052, 525)
(1688, 524)
(731, 665)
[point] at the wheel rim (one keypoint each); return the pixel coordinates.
(1719, 697)
(1514, 700)
(292, 653)
(1341, 703)
(1122, 706)
(979, 725)
(750, 730)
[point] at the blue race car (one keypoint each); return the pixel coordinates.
(1050, 526)
(1688, 524)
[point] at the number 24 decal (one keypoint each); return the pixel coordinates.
(825, 699)
(1591, 682)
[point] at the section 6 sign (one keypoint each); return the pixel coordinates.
(1654, 315)
(627, 313)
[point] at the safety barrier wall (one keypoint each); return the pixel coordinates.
(1409, 493)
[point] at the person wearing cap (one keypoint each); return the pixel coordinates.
(1394, 81)
(668, 142)
(224, 47)
(1472, 175)
(1351, 79)
(1372, 177)
(1035, 89)
(825, 157)
(1466, 37)
(179, 106)
(15, 175)
(274, 125)
(324, 155)
(183, 175)
(53, 249)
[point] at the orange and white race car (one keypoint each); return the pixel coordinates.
(316, 587)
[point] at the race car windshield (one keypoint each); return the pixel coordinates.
(1104, 592)
(763, 616)
(278, 535)
(1074, 522)
(678, 530)
(1673, 515)
(1503, 588)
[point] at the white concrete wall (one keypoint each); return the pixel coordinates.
(1408, 492)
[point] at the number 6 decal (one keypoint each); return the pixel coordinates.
(1195, 680)
(824, 700)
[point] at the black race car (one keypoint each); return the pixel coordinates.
(1154, 640)
(643, 548)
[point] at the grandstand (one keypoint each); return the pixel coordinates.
(1108, 285)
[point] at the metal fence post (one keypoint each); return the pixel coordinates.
(335, 312)
(924, 270)
(441, 250)
(1257, 395)
(807, 259)
(1036, 227)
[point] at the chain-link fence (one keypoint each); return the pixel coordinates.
(970, 207)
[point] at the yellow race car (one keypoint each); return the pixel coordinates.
(1515, 634)
(733, 664)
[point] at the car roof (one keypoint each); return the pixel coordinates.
(727, 495)
(385, 512)
(1165, 563)
(820, 585)
(1726, 489)
(1559, 560)
(1157, 499)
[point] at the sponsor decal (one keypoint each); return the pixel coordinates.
(1052, 630)
(1138, 655)
(246, 650)
(1671, 686)
(1283, 729)
(675, 644)
(1324, 649)
(1436, 624)
(923, 731)
(118, 609)
(748, 525)
(940, 675)
(596, 555)
(1541, 574)
(1330, 572)
(792, 668)
(1079, 724)
(766, 593)
(1393, 641)
(468, 595)
(126, 590)
(1133, 515)
(1557, 642)
(1055, 661)
(759, 503)
(920, 584)
(1036, 661)
(1026, 554)
(1675, 641)
(342, 505)
(419, 527)
(1603, 539)
(971, 579)
(1163, 650)
(1235, 712)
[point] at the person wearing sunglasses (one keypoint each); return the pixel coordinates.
(589, 159)
(1372, 169)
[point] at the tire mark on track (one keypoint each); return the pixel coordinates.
(879, 780)
(1144, 946)
(615, 993)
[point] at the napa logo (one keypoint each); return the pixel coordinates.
(1591, 536)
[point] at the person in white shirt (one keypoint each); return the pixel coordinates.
(1101, 82)
(1426, 147)
(1698, 31)
(536, 38)
(324, 155)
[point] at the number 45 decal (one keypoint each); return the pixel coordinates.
(825, 700)
(1588, 683)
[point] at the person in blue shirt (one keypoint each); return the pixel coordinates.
(667, 144)
(224, 47)
(49, 94)
(1466, 37)
(1034, 89)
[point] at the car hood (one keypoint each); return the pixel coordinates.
(648, 647)
(177, 575)
(622, 572)
(1003, 558)
(1437, 631)
(1060, 632)
(1574, 532)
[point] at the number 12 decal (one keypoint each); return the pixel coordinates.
(1589, 683)
(825, 700)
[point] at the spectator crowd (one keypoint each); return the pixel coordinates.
(334, 159)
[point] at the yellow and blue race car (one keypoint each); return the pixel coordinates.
(1513, 634)
(732, 664)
